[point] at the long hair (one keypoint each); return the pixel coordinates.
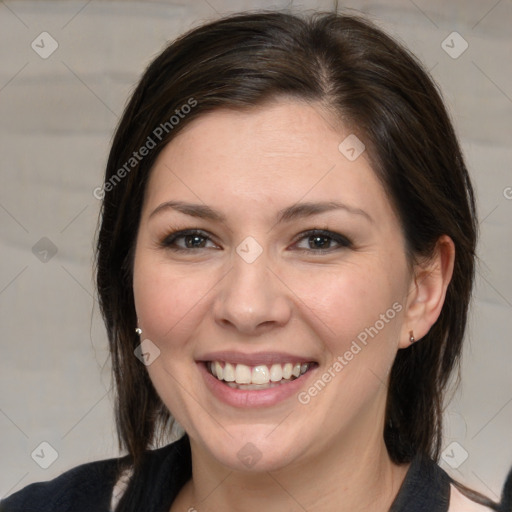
(379, 91)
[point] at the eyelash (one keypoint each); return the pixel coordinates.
(169, 242)
(342, 241)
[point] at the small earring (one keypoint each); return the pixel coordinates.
(412, 339)
(138, 330)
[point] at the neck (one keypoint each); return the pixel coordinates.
(350, 476)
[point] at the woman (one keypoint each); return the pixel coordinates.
(284, 264)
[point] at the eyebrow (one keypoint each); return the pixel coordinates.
(300, 210)
(296, 211)
(194, 210)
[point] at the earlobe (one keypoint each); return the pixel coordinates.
(427, 292)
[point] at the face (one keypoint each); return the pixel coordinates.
(270, 273)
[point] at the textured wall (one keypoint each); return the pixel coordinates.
(57, 115)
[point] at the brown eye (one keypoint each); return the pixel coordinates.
(321, 241)
(188, 239)
(194, 241)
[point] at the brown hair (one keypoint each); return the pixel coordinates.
(376, 88)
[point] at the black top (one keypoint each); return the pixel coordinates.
(88, 488)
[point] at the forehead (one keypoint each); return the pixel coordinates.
(268, 156)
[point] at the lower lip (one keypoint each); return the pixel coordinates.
(254, 397)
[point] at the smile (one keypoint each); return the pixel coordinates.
(244, 377)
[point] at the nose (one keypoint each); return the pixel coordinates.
(251, 299)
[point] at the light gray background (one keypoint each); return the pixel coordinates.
(57, 117)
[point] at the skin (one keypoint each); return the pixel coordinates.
(328, 454)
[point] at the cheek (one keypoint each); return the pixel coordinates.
(358, 302)
(168, 301)
(357, 313)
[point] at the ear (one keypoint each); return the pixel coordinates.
(427, 291)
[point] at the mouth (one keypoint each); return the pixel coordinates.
(259, 377)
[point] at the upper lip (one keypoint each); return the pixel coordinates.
(256, 359)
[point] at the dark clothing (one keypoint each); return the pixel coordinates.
(88, 488)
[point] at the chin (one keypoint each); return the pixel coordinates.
(250, 448)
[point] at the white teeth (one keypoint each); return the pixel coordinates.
(276, 372)
(218, 370)
(258, 376)
(229, 372)
(243, 374)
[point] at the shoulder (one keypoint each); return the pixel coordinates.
(79, 489)
(463, 499)
(461, 503)
(428, 487)
(506, 497)
(159, 478)
(90, 486)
